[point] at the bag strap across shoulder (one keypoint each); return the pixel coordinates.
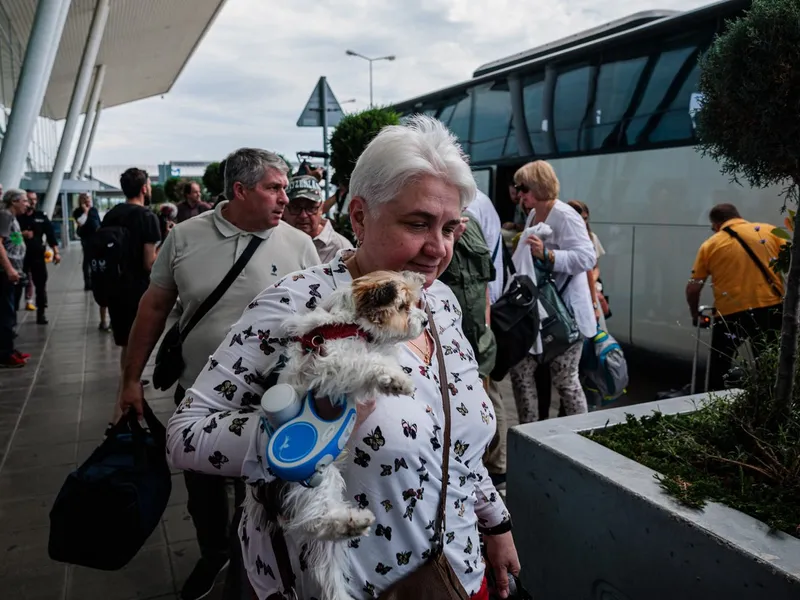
(770, 281)
(223, 286)
(441, 513)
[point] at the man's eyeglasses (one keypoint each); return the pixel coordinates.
(296, 209)
(522, 188)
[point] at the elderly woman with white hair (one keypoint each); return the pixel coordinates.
(408, 191)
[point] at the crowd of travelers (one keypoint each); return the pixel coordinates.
(413, 205)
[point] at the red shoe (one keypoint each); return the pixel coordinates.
(13, 362)
(22, 355)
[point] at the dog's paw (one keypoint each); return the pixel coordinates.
(398, 384)
(349, 523)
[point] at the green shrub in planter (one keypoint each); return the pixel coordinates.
(742, 451)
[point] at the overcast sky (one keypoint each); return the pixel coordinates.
(254, 71)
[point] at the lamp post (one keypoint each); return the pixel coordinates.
(370, 60)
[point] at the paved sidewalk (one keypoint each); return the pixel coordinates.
(53, 414)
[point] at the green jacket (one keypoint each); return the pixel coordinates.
(468, 275)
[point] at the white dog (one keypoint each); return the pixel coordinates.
(345, 347)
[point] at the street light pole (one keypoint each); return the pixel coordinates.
(370, 60)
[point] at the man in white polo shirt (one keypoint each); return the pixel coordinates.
(195, 257)
(304, 212)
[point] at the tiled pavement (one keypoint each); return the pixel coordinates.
(53, 414)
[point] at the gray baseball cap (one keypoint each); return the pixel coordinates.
(304, 186)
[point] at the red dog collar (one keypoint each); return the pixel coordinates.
(316, 338)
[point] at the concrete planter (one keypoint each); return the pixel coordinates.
(591, 524)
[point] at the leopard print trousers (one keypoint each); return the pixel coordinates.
(566, 381)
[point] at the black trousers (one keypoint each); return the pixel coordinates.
(759, 325)
(217, 535)
(8, 316)
(36, 268)
(86, 267)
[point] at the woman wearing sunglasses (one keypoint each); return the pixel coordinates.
(569, 254)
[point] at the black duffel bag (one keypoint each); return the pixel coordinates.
(514, 321)
(113, 502)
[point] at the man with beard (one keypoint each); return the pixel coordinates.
(35, 225)
(143, 233)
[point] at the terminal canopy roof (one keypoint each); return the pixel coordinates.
(146, 45)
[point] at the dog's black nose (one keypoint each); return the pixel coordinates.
(425, 322)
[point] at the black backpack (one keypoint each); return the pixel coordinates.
(113, 502)
(514, 320)
(108, 252)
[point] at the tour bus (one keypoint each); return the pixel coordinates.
(612, 109)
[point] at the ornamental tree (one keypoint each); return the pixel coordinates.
(352, 135)
(749, 121)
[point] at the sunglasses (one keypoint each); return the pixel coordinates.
(296, 209)
(522, 188)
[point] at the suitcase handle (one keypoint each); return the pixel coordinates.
(705, 320)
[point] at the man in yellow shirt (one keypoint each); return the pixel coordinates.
(747, 293)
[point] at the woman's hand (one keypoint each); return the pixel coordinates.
(328, 411)
(364, 410)
(537, 246)
(502, 555)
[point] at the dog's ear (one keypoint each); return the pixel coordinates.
(373, 296)
(383, 294)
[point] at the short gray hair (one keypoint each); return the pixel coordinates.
(13, 194)
(399, 154)
(248, 166)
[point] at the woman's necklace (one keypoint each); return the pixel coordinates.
(425, 352)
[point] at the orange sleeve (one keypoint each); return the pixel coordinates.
(700, 268)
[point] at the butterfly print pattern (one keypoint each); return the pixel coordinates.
(395, 454)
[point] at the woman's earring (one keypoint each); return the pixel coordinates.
(358, 242)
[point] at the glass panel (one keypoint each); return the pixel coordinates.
(483, 179)
(446, 113)
(459, 121)
(533, 97)
(664, 73)
(571, 95)
(676, 123)
(492, 121)
(616, 84)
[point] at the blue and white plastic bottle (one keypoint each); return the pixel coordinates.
(301, 442)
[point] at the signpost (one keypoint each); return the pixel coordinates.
(322, 110)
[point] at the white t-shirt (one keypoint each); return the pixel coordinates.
(482, 209)
(394, 462)
(195, 257)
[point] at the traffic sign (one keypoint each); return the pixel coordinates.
(312, 115)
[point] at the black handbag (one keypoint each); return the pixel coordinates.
(169, 358)
(111, 504)
(514, 322)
